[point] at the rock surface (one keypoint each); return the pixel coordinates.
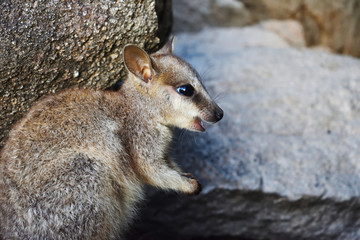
(289, 30)
(207, 13)
(334, 24)
(284, 161)
(46, 46)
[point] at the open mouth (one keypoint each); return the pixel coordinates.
(199, 125)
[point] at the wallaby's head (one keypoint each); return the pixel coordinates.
(174, 85)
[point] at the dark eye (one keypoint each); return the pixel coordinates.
(186, 90)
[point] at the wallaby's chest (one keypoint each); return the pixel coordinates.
(148, 141)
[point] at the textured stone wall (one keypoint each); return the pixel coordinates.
(46, 46)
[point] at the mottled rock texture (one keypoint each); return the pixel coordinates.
(46, 46)
(284, 161)
(289, 30)
(334, 24)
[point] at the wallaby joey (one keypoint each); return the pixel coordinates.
(75, 166)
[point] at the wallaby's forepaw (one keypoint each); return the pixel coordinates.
(195, 186)
(198, 188)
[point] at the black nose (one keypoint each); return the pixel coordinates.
(219, 114)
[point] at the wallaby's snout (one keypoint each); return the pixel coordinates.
(218, 114)
(212, 114)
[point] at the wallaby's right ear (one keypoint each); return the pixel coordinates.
(168, 48)
(138, 62)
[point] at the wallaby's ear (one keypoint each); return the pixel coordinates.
(168, 48)
(138, 62)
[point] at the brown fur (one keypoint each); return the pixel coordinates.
(74, 167)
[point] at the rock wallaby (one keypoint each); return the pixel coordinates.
(75, 166)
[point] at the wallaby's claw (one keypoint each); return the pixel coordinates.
(188, 175)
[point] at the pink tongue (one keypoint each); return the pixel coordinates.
(199, 125)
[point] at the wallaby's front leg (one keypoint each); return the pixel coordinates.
(174, 166)
(166, 174)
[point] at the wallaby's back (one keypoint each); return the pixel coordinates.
(66, 161)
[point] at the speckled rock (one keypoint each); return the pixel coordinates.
(46, 46)
(284, 161)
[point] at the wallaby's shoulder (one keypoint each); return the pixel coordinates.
(69, 98)
(62, 117)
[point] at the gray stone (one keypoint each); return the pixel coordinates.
(284, 163)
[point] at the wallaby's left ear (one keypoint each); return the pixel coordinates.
(168, 48)
(138, 62)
